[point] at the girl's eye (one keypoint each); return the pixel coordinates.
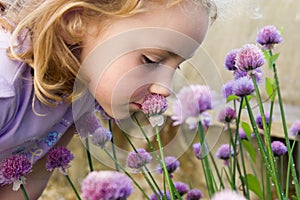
(147, 60)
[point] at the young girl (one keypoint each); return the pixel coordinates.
(54, 54)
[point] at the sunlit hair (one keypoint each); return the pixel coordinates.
(41, 27)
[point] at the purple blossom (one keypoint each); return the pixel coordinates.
(192, 101)
(106, 185)
(166, 194)
(181, 187)
(102, 112)
(87, 124)
(59, 157)
(154, 104)
(230, 59)
(295, 129)
(14, 168)
(249, 57)
(258, 74)
(268, 36)
(224, 153)
(259, 123)
(171, 163)
(278, 148)
(227, 195)
(198, 150)
(227, 89)
(243, 87)
(138, 159)
(101, 136)
(243, 135)
(194, 194)
(227, 115)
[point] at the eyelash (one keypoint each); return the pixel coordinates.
(147, 60)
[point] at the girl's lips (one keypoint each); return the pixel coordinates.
(135, 105)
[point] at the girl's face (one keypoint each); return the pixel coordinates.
(138, 55)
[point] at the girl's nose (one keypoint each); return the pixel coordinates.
(159, 89)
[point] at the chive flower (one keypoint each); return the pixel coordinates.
(227, 115)
(227, 195)
(137, 160)
(268, 36)
(194, 194)
(171, 163)
(59, 157)
(295, 129)
(259, 122)
(243, 87)
(278, 148)
(224, 152)
(181, 187)
(230, 60)
(249, 57)
(227, 89)
(87, 124)
(101, 136)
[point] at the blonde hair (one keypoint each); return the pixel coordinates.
(47, 24)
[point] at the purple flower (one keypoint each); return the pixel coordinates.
(224, 153)
(227, 195)
(227, 115)
(249, 57)
(230, 59)
(243, 87)
(243, 135)
(138, 159)
(268, 36)
(295, 129)
(278, 148)
(198, 150)
(101, 136)
(154, 104)
(106, 185)
(194, 194)
(87, 124)
(181, 187)
(258, 74)
(166, 194)
(227, 89)
(192, 101)
(59, 157)
(171, 163)
(259, 120)
(13, 169)
(102, 112)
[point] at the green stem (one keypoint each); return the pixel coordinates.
(89, 157)
(217, 170)
(24, 192)
(290, 155)
(113, 144)
(73, 187)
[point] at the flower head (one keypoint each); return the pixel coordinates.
(59, 157)
(259, 122)
(191, 103)
(278, 148)
(249, 57)
(230, 59)
(171, 163)
(181, 187)
(243, 87)
(87, 124)
(258, 74)
(194, 194)
(227, 115)
(101, 136)
(138, 159)
(106, 185)
(227, 89)
(154, 104)
(227, 195)
(13, 169)
(167, 194)
(224, 152)
(243, 135)
(295, 129)
(268, 36)
(198, 150)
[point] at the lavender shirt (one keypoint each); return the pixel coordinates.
(21, 129)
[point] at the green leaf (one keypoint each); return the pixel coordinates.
(274, 57)
(250, 150)
(266, 54)
(247, 129)
(254, 185)
(270, 89)
(231, 98)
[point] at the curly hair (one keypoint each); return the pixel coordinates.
(42, 26)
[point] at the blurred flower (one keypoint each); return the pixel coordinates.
(227, 115)
(243, 135)
(194, 194)
(167, 194)
(278, 148)
(224, 152)
(106, 185)
(258, 74)
(101, 136)
(138, 159)
(87, 124)
(102, 112)
(198, 150)
(295, 129)
(268, 36)
(13, 170)
(230, 60)
(59, 157)
(249, 57)
(259, 123)
(227, 89)
(181, 187)
(171, 163)
(243, 87)
(192, 101)
(227, 195)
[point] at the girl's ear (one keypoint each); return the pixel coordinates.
(72, 26)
